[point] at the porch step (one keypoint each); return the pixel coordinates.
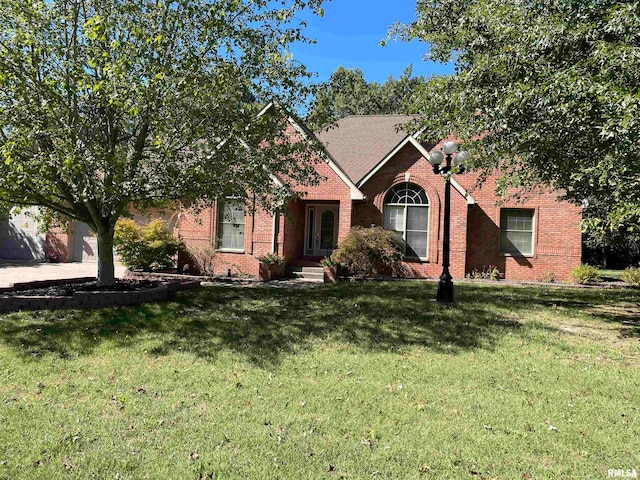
(312, 274)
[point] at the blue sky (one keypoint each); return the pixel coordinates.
(349, 35)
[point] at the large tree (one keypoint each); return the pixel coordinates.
(548, 91)
(109, 104)
(612, 246)
(348, 93)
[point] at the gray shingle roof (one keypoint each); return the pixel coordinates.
(359, 142)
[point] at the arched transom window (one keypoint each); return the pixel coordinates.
(406, 212)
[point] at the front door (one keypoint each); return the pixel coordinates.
(321, 230)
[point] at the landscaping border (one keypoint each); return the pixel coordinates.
(172, 277)
(88, 300)
(19, 286)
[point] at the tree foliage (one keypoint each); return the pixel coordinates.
(548, 91)
(611, 246)
(105, 104)
(348, 93)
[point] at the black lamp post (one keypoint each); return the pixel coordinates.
(445, 287)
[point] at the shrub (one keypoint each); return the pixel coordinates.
(584, 274)
(370, 251)
(489, 272)
(148, 247)
(548, 277)
(272, 259)
(631, 276)
(201, 260)
(329, 262)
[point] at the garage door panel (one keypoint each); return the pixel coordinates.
(85, 244)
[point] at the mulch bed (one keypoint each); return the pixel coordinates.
(68, 289)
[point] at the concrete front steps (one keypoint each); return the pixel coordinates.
(309, 274)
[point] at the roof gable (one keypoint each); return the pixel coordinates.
(309, 136)
(408, 139)
(365, 143)
(359, 142)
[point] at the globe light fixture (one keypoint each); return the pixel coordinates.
(450, 147)
(462, 158)
(436, 157)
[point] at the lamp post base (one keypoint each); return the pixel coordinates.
(445, 291)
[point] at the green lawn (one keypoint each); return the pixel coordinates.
(364, 380)
(607, 274)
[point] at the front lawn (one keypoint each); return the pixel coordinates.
(366, 380)
(610, 275)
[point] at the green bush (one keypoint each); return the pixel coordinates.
(370, 251)
(631, 276)
(149, 247)
(584, 274)
(329, 262)
(272, 259)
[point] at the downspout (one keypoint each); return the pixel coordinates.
(274, 234)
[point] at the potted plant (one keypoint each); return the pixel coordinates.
(271, 266)
(330, 267)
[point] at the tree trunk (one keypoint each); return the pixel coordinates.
(106, 270)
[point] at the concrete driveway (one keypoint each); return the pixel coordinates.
(12, 271)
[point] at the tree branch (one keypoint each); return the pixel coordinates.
(138, 148)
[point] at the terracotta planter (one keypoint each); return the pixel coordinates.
(270, 271)
(330, 274)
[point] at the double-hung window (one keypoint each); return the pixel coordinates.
(516, 231)
(231, 225)
(406, 212)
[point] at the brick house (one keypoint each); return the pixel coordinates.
(375, 174)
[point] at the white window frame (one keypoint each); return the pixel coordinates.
(406, 206)
(220, 221)
(532, 212)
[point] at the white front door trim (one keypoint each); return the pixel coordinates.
(313, 246)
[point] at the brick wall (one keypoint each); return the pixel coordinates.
(201, 231)
(475, 229)
(557, 239)
(58, 241)
(292, 230)
(409, 161)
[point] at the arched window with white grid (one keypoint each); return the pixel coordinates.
(406, 212)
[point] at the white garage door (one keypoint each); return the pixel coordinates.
(19, 236)
(85, 244)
